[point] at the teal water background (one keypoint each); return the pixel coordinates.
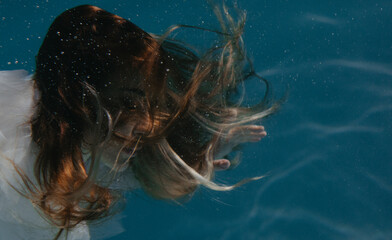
(328, 153)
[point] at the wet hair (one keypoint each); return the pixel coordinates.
(97, 73)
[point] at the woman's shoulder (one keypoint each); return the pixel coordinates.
(16, 102)
(16, 107)
(13, 81)
(15, 84)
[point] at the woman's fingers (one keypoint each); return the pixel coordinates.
(221, 164)
(247, 133)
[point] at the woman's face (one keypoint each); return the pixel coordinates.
(123, 144)
(128, 128)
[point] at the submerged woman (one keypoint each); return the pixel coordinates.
(111, 108)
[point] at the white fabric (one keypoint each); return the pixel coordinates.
(18, 218)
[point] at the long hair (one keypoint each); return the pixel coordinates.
(98, 74)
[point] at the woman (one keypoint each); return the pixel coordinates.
(110, 103)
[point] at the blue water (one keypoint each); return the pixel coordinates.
(328, 153)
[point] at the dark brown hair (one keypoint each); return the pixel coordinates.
(97, 73)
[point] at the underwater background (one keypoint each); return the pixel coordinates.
(328, 153)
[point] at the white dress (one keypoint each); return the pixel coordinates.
(18, 218)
